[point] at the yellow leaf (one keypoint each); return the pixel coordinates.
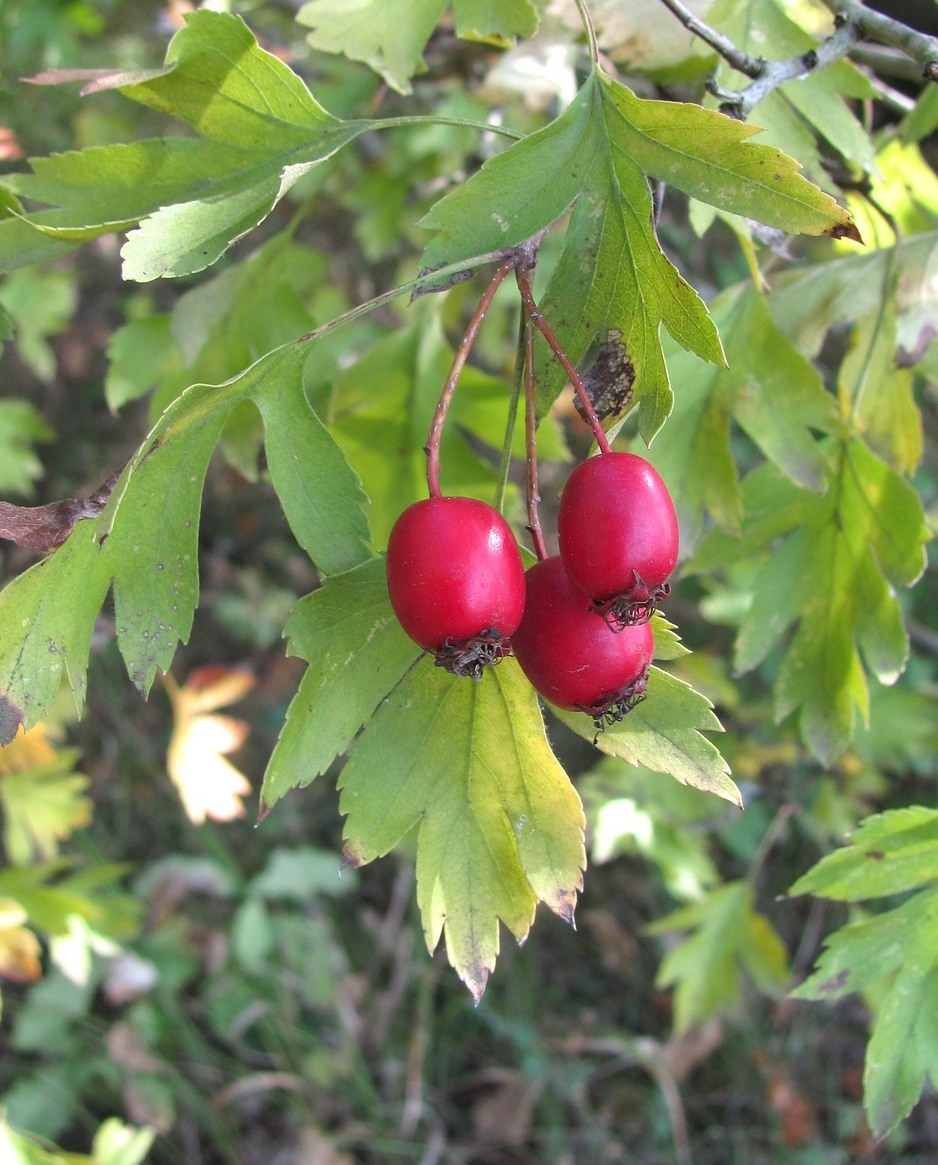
(19, 947)
(42, 799)
(208, 785)
(28, 750)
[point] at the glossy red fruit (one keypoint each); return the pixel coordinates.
(456, 581)
(573, 659)
(618, 535)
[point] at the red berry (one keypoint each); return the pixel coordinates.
(618, 535)
(456, 581)
(573, 659)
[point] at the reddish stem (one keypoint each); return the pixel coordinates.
(432, 447)
(530, 434)
(527, 296)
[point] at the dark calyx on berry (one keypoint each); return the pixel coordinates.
(633, 607)
(612, 709)
(469, 657)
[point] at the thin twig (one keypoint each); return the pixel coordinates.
(854, 22)
(432, 447)
(530, 434)
(776, 73)
(741, 61)
(527, 296)
(873, 25)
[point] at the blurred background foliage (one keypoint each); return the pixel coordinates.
(169, 967)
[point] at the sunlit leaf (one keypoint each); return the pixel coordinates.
(20, 949)
(390, 35)
(498, 824)
(43, 799)
(209, 785)
(664, 733)
(261, 131)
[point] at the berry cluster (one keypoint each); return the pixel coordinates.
(578, 621)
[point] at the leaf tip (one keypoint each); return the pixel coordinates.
(846, 230)
(351, 860)
(11, 718)
(476, 978)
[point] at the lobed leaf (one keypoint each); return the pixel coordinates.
(260, 130)
(664, 733)
(389, 35)
(727, 936)
(894, 954)
(145, 540)
(357, 654)
(498, 824)
(889, 853)
(772, 392)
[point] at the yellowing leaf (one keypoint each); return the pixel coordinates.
(43, 800)
(19, 947)
(499, 827)
(209, 785)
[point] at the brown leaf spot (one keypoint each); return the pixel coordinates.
(47, 527)
(608, 381)
(845, 230)
(11, 717)
(350, 859)
(834, 984)
(875, 854)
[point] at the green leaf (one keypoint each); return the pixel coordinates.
(357, 654)
(881, 393)
(387, 398)
(728, 936)
(140, 354)
(889, 853)
(261, 130)
(613, 283)
(868, 950)
(146, 539)
(773, 393)
(525, 188)
(53, 607)
(301, 875)
(499, 826)
(817, 101)
(708, 156)
(664, 733)
(118, 1144)
(21, 427)
(389, 35)
(497, 22)
(40, 304)
(901, 1054)
(320, 493)
(855, 549)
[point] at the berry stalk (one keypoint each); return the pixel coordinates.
(432, 447)
(534, 314)
(530, 434)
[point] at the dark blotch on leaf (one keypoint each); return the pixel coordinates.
(845, 230)
(609, 379)
(835, 984)
(11, 717)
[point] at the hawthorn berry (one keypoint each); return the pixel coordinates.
(456, 581)
(618, 536)
(573, 659)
